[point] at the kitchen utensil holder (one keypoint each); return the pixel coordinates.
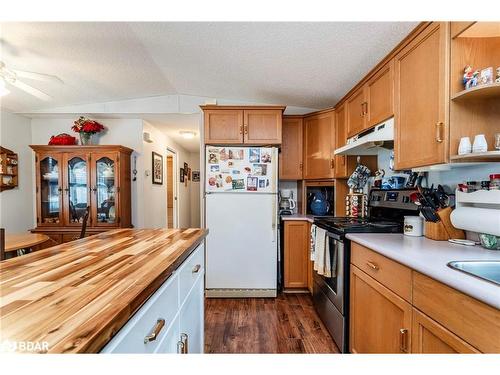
(436, 231)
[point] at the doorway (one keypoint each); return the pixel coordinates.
(172, 209)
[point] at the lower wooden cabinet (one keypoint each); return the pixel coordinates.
(380, 319)
(296, 254)
(429, 337)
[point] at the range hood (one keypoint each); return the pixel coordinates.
(368, 142)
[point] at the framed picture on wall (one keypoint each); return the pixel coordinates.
(181, 175)
(185, 169)
(157, 169)
(196, 176)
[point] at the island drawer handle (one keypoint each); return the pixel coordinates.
(180, 347)
(196, 268)
(373, 266)
(184, 340)
(155, 332)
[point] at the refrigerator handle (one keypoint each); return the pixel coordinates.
(273, 221)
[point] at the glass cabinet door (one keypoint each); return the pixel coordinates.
(77, 189)
(105, 190)
(50, 190)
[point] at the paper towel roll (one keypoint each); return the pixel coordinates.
(481, 220)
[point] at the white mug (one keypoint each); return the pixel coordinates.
(480, 144)
(465, 147)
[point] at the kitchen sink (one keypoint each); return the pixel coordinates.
(487, 270)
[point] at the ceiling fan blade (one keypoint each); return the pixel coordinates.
(30, 90)
(38, 76)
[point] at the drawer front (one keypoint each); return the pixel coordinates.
(475, 322)
(189, 271)
(391, 274)
(163, 304)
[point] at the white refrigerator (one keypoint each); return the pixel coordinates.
(241, 208)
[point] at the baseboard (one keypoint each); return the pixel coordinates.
(240, 293)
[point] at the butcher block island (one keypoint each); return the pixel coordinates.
(122, 291)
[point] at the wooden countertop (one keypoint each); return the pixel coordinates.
(77, 295)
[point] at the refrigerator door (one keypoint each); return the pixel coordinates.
(241, 246)
(241, 169)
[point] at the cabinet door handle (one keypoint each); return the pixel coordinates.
(343, 159)
(246, 128)
(373, 266)
(155, 331)
(439, 132)
(180, 347)
(184, 340)
(301, 166)
(365, 108)
(196, 268)
(332, 163)
(403, 340)
(241, 129)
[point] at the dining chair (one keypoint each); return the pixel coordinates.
(2, 243)
(84, 224)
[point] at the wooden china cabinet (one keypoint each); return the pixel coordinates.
(70, 178)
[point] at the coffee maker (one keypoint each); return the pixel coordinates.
(287, 203)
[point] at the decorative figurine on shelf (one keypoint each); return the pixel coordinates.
(470, 77)
(486, 76)
(497, 80)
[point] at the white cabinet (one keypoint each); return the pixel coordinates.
(172, 319)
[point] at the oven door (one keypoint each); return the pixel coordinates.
(333, 287)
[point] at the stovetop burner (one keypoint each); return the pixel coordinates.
(349, 224)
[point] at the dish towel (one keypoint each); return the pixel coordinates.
(320, 251)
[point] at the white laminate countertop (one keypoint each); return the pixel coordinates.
(430, 258)
(298, 217)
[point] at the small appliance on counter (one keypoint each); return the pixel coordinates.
(287, 203)
(320, 198)
(387, 209)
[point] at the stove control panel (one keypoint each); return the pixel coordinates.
(397, 198)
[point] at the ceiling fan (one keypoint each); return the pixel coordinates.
(12, 77)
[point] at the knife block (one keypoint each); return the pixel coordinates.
(436, 231)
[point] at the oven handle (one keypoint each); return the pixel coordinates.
(334, 236)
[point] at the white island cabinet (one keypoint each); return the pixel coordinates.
(172, 319)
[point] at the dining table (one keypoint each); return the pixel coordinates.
(21, 241)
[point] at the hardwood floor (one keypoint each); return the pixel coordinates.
(287, 324)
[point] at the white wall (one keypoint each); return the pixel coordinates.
(195, 192)
(16, 205)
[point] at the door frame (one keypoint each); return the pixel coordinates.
(175, 167)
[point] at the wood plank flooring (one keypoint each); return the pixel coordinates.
(287, 324)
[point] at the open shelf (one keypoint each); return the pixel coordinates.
(489, 156)
(491, 90)
(482, 30)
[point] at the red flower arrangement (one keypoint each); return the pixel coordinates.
(85, 125)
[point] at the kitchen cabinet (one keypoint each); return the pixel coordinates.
(290, 158)
(176, 319)
(356, 112)
(379, 93)
(429, 337)
(296, 254)
(70, 178)
(319, 141)
(380, 320)
(242, 125)
(421, 94)
(340, 140)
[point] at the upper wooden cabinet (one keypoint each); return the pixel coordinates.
(373, 102)
(242, 125)
(70, 178)
(290, 158)
(379, 93)
(356, 112)
(340, 140)
(421, 94)
(223, 126)
(319, 142)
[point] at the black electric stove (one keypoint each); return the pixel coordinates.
(386, 209)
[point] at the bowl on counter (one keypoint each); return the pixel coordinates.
(490, 241)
